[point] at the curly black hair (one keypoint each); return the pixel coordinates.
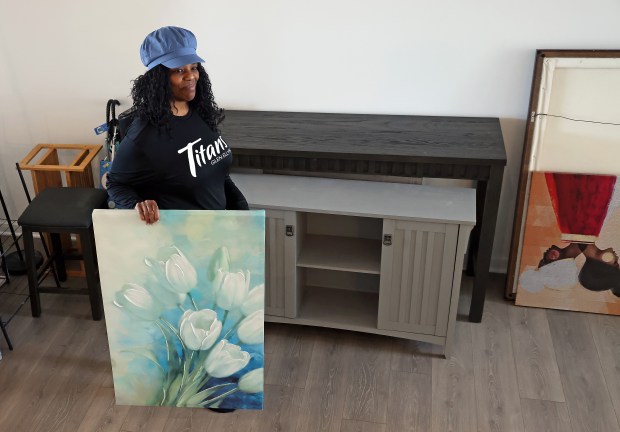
(151, 95)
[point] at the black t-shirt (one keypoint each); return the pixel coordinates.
(186, 168)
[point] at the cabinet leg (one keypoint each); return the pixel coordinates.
(447, 349)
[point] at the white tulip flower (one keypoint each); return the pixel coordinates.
(254, 301)
(138, 301)
(251, 330)
(175, 274)
(180, 272)
(157, 286)
(199, 329)
(226, 359)
(233, 290)
(252, 382)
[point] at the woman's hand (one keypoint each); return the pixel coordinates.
(148, 210)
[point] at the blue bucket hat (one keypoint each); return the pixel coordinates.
(171, 46)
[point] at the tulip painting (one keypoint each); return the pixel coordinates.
(184, 306)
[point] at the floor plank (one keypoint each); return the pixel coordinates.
(583, 381)
(240, 420)
(454, 390)
(201, 420)
(537, 371)
(367, 378)
(44, 374)
(224, 422)
(146, 419)
(180, 420)
(605, 331)
(18, 285)
(361, 426)
(411, 356)
(10, 303)
(409, 402)
(104, 415)
(282, 408)
(108, 380)
(547, 416)
(31, 338)
(292, 350)
(73, 388)
(497, 391)
(325, 390)
(273, 335)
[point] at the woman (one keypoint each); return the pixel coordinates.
(172, 156)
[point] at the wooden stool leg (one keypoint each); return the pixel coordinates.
(58, 257)
(6, 335)
(47, 255)
(31, 269)
(92, 281)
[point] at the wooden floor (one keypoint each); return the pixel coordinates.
(529, 370)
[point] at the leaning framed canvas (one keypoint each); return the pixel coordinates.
(573, 127)
(569, 255)
(184, 306)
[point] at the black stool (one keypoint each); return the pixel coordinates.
(56, 211)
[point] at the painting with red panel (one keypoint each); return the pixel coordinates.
(568, 258)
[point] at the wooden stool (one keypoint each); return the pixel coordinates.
(56, 211)
(45, 162)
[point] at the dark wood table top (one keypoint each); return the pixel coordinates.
(454, 140)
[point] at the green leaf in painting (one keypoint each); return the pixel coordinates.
(199, 397)
(144, 353)
(173, 390)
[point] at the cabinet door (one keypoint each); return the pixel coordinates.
(279, 261)
(417, 269)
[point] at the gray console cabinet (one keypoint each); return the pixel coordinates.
(357, 255)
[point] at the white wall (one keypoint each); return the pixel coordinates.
(60, 61)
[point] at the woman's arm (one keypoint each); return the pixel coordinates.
(128, 175)
(125, 175)
(234, 198)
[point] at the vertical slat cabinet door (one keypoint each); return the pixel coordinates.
(292, 246)
(417, 269)
(275, 262)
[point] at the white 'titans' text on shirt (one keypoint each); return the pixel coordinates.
(200, 156)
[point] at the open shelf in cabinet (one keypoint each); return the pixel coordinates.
(341, 253)
(339, 308)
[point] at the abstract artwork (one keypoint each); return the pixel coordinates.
(184, 306)
(569, 257)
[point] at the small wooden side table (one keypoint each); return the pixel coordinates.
(48, 172)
